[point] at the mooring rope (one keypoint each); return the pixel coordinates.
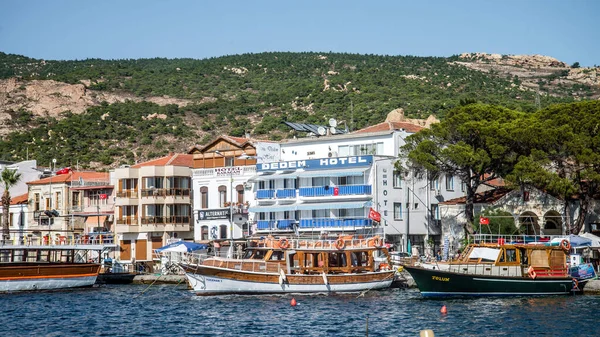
(362, 293)
(159, 276)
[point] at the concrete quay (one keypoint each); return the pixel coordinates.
(592, 287)
(158, 279)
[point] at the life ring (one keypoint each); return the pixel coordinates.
(565, 245)
(340, 244)
(531, 272)
(384, 267)
(284, 243)
(575, 284)
(377, 242)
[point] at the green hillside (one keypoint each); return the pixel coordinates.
(245, 93)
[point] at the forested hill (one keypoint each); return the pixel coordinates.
(110, 112)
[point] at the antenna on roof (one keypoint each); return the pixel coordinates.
(322, 131)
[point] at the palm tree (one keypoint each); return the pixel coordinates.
(10, 178)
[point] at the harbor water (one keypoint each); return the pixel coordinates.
(170, 310)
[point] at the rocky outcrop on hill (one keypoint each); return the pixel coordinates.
(535, 71)
(50, 98)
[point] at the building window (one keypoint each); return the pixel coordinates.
(435, 211)
(449, 183)
(204, 197)
(434, 184)
(397, 211)
(36, 202)
(397, 179)
(223, 231)
(229, 161)
(222, 195)
(463, 186)
(97, 197)
(240, 193)
(204, 233)
(58, 200)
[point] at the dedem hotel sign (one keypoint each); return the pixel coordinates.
(317, 164)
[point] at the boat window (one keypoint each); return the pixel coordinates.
(539, 258)
(511, 255)
(276, 256)
(258, 255)
(337, 260)
(483, 253)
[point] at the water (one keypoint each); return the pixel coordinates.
(169, 310)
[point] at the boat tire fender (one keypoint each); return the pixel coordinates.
(284, 243)
(340, 244)
(575, 284)
(565, 245)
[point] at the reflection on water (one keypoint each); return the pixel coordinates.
(169, 310)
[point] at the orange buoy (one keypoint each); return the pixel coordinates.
(293, 302)
(444, 310)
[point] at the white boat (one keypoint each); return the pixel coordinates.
(270, 266)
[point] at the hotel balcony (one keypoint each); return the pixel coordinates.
(130, 194)
(166, 192)
(265, 194)
(324, 191)
(318, 223)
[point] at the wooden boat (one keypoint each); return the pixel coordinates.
(499, 269)
(283, 265)
(24, 268)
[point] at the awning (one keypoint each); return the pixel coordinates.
(275, 175)
(93, 220)
(274, 208)
(334, 205)
(334, 173)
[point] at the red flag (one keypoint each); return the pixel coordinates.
(103, 196)
(66, 170)
(373, 214)
(484, 221)
(336, 191)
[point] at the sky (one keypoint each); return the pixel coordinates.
(109, 29)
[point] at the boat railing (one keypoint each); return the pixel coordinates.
(342, 242)
(61, 241)
(258, 266)
(505, 239)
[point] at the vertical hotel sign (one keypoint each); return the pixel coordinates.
(317, 164)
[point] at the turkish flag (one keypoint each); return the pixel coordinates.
(484, 221)
(373, 214)
(336, 191)
(64, 171)
(103, 196)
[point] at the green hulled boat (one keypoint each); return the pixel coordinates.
(498, 270)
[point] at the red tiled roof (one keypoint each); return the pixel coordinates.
(391, 126)
(20, 199)
(486, 197)
(177, 159)
(72, 176)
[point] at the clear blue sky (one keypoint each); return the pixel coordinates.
(76, 29)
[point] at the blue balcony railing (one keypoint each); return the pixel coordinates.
(354, 189)
(322, 191)
(286, 193)
(265, 194)
(265, 224)
(275, 224)
(328, 223)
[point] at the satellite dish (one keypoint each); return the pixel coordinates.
(321, 130)
(332, 122)
(332, 130)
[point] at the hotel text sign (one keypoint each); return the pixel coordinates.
(211, 214)
(317, 164)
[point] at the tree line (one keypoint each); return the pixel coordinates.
(556, 149)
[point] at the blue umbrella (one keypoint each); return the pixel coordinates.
(181, 246)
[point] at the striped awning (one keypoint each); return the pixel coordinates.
(333, 205)
(310, 206)
(334, 173)
(274, 208)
